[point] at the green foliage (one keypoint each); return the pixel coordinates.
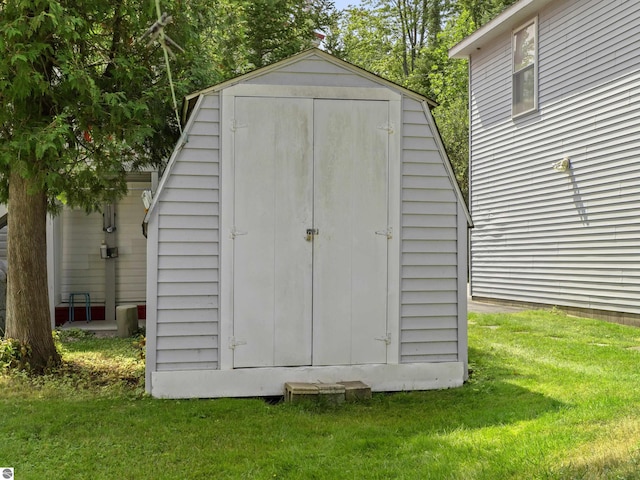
(453, 123)
(140, 344)
(91, 367)
(14, 354)
(85, 98)
(82, 99)
(240, 36)
(366, 38)
(481, 11)
(445, 80)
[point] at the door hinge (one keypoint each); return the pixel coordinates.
(387, 232)
(386, 339)
(236, 233)
(234, 125)
(233, 343)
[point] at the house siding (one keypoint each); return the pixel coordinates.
(561, 238)
(187, 250)
(131, 269)
(429, 274)
(82, 269)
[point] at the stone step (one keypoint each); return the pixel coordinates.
(336, 393)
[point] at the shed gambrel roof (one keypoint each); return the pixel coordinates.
(505, 22)
(191, 101)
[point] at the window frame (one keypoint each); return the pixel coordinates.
(532, 21)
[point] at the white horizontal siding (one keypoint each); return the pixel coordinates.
(82, 269)
(131, 266)
(549, 237)
(428, 299)
(187, 264)
(491, 92)
(588, 43)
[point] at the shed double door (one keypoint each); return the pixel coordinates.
(310, 224)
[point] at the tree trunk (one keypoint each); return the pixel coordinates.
(28, 317)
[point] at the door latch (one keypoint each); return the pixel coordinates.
(311, 232)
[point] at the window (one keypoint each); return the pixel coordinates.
(524, 81)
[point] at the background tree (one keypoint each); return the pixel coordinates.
(481, 11)
(445, 80)
(248, 34)
(82, 102)
(366, 37)
(389, 37)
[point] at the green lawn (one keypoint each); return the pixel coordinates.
(550, 396)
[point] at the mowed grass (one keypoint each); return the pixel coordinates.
(550, 397)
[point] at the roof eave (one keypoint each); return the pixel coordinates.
(189, 99)
(505, 22)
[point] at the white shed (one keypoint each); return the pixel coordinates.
(308, 227)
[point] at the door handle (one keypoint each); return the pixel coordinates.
(311, 232)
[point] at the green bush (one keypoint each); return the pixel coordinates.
(13, 354)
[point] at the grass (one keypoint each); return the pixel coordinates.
(550, 397)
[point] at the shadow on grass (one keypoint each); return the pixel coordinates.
(489, 398)
(492, 397)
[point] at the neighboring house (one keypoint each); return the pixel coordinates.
(555, 156)
(308, 227)
(74, 258)
(76, 263)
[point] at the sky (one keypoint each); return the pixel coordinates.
(342, 4)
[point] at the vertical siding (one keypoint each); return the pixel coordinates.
(550, 237)
(429, 276)
(187, 276)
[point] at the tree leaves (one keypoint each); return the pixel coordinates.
(62, 74)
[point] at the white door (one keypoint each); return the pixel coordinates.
(272, 259)
(310, 164)
(350, 250)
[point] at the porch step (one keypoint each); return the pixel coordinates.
(335, 393)
(101, 328)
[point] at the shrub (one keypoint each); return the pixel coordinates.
(13, 354)
(141, 346)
